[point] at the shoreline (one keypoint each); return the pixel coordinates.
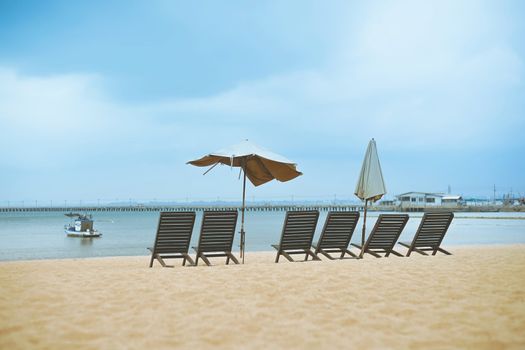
(472, 299)
(401, 249)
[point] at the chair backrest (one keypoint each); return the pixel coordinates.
(299, 229)
(174, 232)
(432, 229)
(386, 231)
(338, 229)
(217, 231)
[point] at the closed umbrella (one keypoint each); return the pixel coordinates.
(370, 185)
(257, 163)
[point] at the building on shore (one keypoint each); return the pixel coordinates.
(425, 199)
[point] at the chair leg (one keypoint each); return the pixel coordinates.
(287, 256)
(151, 261)
(189, 259)
(396, 253)
(351, 254)
(227, 260)
(231, 256)
(371, 253)
(277, 257)
(414, 249)
(325, 254)
(362, 252)
(444, 251)
(406, 245)
(205, 259)
(312, 254)
(161, 261)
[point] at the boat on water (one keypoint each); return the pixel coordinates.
(82, 226)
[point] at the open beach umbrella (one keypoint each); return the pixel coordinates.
(258, 164)
(370, 185)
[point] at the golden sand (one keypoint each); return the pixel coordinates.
(474, 299)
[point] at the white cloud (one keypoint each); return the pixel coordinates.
(413, 74)
(41, 117)
(407, 73)
(48, 104)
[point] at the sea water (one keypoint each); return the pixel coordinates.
(40, 235)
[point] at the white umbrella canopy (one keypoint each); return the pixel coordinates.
(257, 163)
(370, 185)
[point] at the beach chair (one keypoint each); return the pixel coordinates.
(384, 235)
(173, 237)
(430, 234)
(337, 233)
(297, 235)
(216, 238)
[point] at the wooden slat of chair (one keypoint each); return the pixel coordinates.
(384, 235)
(337, 233)
(430, 233)
(216, 237)
(173, 237)
(297, 235)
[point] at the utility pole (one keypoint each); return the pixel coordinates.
(494, 194)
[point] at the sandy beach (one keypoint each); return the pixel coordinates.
(474, 299)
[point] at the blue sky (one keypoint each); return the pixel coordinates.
(109, 99)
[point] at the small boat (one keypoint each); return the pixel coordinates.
(81, 227)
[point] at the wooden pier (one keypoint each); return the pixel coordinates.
(254, 208)
(158, 208)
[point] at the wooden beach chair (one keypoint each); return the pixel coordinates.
(430, 234)
(173, 237)
(216, 238)
(337, 233)
(297, 235)
(384, 235)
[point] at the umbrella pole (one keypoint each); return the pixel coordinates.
(242, 213)
(363, 234)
